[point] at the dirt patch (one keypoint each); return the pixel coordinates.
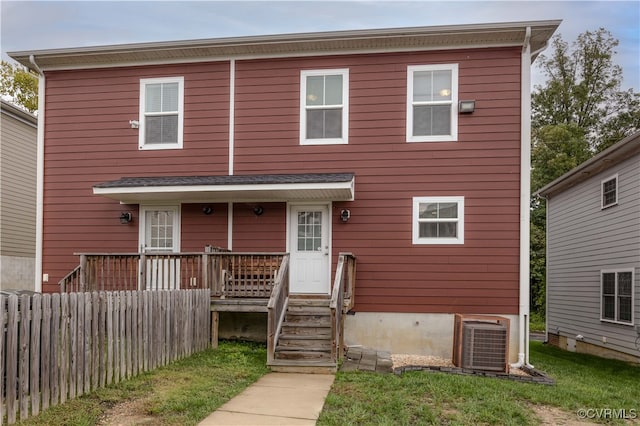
(127, 413)
(551, 416)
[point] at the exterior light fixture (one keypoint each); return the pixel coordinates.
(466, 107)
(258, 210)
(345, 215)
(126, 218)
(207, 210)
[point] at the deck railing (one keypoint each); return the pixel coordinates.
(226, 274)
(277, 308)
(341, 301)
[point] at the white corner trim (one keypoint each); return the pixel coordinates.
(40, 183)
(525, 195)
(232, 113)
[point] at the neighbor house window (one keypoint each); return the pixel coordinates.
(432, 99)
(161, 113)
(438, 220)
(324, 107)
(617, 296)
(610, 191)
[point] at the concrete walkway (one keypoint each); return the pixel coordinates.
(276, 399)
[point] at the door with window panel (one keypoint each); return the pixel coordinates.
(159, 237)
(309, 249)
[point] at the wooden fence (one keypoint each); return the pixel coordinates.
(56, 347)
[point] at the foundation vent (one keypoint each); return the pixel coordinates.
(481, 342)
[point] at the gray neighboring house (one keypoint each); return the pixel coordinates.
(18, 143)
(593, 254)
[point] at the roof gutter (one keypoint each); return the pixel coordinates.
(39, 277)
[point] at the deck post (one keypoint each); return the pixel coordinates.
(84, 273)
(215, 319)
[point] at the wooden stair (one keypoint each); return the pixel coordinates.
(304, 344)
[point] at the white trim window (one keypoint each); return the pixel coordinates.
(616, 289)
(609, 191)
(161, 113)
(324, 107)
(432, 99)
(438, 220)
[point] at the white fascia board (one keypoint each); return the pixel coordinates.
(270, 191)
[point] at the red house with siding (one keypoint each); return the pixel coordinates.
(408, 148)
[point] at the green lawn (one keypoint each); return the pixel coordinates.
(583, 382)
(187, 391)
(182, 393)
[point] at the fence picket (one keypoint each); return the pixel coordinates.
(59, 344)
(34, 361)
(3, 318)
(45, 354)
(24, 306)
(12, 357)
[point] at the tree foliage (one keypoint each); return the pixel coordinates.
(20, 85)
(578, 112)
(583, 88)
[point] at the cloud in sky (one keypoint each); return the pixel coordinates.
(34, 25)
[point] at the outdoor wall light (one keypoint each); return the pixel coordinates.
(258, 210)
(345, 215)
(466, 107)
(126, 218)
(207, 210)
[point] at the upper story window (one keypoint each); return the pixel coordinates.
(438, 220)
(324, 107)
(617, 296)
(432, 99)
(609, 189)
(161, 113)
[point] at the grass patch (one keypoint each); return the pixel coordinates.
(182, 393)
(582, 382)
(537, 322)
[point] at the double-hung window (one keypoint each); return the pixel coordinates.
(438, 220)
(609, 195)
(617, 296)
(324, 107)
(432, 99)
(161, 113)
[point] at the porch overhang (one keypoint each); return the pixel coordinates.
(238, 188)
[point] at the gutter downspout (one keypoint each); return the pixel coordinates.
(525, 191)
(525, 196)
(39, 175)
(232, 121)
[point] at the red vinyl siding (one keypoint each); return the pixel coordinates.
(480, 276)
(88, 140)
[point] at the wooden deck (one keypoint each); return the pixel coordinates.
(304, 333)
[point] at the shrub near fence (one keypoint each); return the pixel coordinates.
(56, 347)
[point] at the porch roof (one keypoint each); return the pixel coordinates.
(237, 188)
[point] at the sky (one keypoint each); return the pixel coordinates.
(36, 25)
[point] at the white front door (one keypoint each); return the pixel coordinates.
(309, 243)
(160, 233)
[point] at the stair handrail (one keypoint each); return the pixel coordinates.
(277, 307)
(343, 285)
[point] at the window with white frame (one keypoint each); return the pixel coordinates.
(609, 187)
(324, 107)
(432, 99)
(617, 296)
(438, 220)
(161, 113)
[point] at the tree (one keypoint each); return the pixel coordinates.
(20, 85)
(583, 88)
(578, 112)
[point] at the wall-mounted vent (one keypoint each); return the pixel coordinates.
(481, 342)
